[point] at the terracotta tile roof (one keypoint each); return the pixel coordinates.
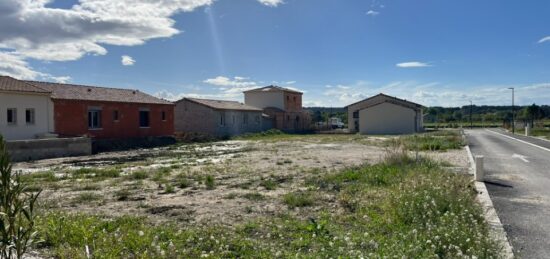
(223, 105)
(94, 93)
(273, 88)
(11, 84)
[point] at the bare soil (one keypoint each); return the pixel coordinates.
(249, 178)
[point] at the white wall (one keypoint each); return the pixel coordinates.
(43, 108)
(265, 99)
(388, 118)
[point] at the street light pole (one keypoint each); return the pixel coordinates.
(513, 112)
(471, 122)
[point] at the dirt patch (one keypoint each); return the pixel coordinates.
(223, 182)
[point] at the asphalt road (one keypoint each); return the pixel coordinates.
(518, 181)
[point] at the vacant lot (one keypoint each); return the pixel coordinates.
(262, 196)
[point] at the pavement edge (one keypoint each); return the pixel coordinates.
(495, 225)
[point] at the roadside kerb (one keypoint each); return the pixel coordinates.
(495, 225)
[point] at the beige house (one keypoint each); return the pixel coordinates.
(383, 114)
(282, 105)
(26, 111)
(216, 117)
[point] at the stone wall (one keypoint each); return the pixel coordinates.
(35, 149)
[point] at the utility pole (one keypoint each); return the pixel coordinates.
(471, 122)
(513, 112)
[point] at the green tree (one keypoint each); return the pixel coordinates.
(17, 211)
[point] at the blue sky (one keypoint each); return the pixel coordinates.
(336, 51)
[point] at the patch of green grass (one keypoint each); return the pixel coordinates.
(40, 177)
(86, 187)
(541, 132)
(210, 182)
(138, 175)
(94, 173)
(433, 141)
(269, 184)
(169, 189)
(184, 183)
(86, 197)
(298, 199)
(123, 194)
(253, 196)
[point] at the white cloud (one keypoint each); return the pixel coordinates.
(272, 3)
(373, 13)
(127, 61)
(412, 64)
(545, 39)
(15, 66)
(434, 93)
(228, 82)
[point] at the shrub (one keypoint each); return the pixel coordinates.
(17, 211)
(210, 183)
(184, 183)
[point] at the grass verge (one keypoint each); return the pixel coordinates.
(432, 141)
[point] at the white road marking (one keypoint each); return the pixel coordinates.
(524, 142)
(522, 158)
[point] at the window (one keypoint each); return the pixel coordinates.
(94, 119)
(143, 119)
(288, 98)
(356, 115)
(294, 98)
(163, 115)
(115, 115)
(12, 116)
(257, 119)
(288, 117)
(29, 116)
(245, 118)
(222, 119)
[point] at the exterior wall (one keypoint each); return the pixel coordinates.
(26, 150)
(290, 121)
(195, 118)
(388, 118)
(234, 122)
(43, 109)
(353, 121)
(293, 102)
(265, 99)
(71, 119)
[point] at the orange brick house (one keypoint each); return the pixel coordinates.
(283, 105)
(108, 113)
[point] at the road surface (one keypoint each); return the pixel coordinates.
(518, 181)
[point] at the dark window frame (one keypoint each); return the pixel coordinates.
(144, 119)
(94, 119)
(116, 116)
(163, 115)
(11, 116)
(30, 116)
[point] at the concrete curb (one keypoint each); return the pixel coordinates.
(495, 226)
